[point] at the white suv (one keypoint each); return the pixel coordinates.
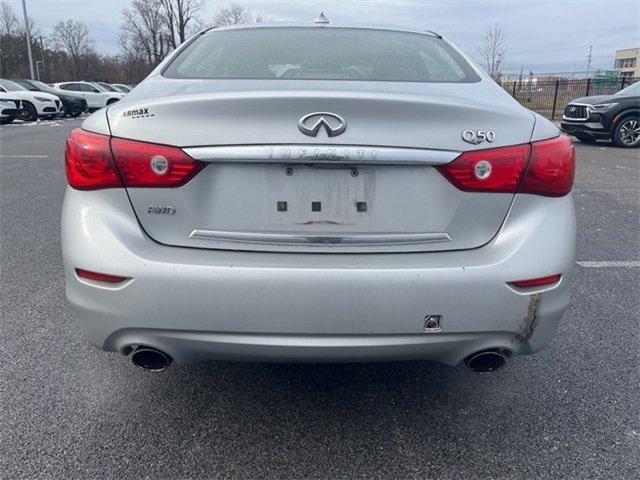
(96, 96)
(34, 104)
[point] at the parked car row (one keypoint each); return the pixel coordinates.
(29, 100)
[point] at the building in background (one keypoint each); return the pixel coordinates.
(627, 62)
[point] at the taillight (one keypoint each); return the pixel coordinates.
(95, 161)
(541, 168)
(551, 168)
(497, 170)
(149, 165)
(88, 161)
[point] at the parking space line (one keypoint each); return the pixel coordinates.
(24, 156)
(611, 264)
(606, 190)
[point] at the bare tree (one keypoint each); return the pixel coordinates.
(261, 18)
(10, 25)
(73, 38)
(144, 30)
(8, 21)
(13, 42)
(34, 30)
(493, 49)
(68, 52)
(179, 15)
(9, 29)
(232, 14)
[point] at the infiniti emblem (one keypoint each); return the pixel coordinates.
(333, 124)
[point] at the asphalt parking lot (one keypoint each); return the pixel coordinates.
(71, 411)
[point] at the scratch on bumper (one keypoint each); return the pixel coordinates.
(530, 321)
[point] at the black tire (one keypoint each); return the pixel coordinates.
(28, 113)
(49, 117)
(627, 133)
(585, 138)
(6, 120)
(75, 114)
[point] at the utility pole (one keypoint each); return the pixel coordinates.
(38, 63)
(589, 59)
(28, 34)
(44, 68)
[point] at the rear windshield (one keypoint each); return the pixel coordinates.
(312, 53)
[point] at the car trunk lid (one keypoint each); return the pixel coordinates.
(269, 186)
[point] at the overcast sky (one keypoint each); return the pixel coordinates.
(543, 36)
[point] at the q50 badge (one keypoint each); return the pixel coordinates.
(478, 136)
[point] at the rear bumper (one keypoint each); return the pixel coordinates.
(192, 346)
(210, 304)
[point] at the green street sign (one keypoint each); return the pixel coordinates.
(606, 79)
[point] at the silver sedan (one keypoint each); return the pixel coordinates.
(318, 193)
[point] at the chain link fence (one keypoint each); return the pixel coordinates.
(549, 97)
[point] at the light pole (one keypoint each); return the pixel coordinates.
(38, 63)
(26, 31)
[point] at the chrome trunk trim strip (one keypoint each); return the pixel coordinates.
(301, 153)
(311, 239)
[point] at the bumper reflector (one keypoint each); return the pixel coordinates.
(100, 277)
(538, 282)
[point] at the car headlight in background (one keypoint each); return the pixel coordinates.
(602, 106)
(43, 99)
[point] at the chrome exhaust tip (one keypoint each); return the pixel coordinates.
(150, 359)
(487, 361)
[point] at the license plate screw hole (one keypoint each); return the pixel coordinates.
(316, 206)
(282, 206)
(354, 172)
(289, 171)
(361, 206)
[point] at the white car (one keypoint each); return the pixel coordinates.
(109, 87)
(56, 90)
(34, 104)
(96, 96)
(8, 108)
(120, 87)
(106, 88)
